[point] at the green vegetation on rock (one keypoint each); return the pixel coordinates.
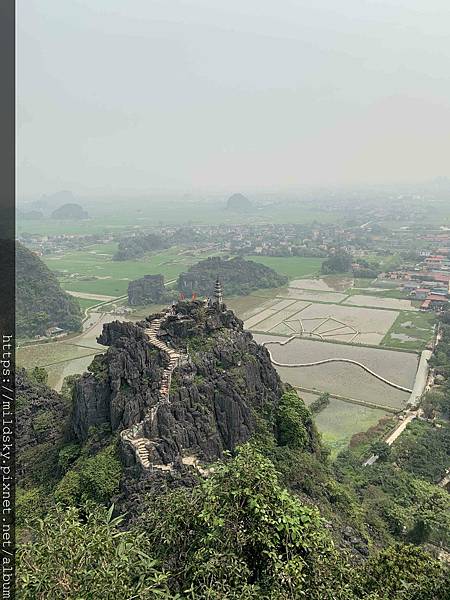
(139, 245)
(339, 262)
(82, 554)
(238, 277)
(40, 301)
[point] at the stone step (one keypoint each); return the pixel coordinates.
(140, 443)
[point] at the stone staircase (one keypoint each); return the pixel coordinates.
(134, 436)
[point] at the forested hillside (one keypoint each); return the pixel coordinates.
(40, 301)
(238, 277)
(138, 245)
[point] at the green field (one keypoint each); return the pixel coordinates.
(84, 304)
(43, 355)
(292, 266)
(93, 271)
(59, 362)
(339, 421)
(134, 213)
(417, 326)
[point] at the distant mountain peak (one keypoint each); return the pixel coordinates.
(239, 202)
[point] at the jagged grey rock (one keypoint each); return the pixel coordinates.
(222, 379)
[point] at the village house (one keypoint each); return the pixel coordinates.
(434, 302)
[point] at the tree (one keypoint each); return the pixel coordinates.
(40, 375)
(292, 419)
(339, 262)
(382, 450)
(320, 403)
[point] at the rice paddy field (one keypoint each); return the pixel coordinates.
(327, 283)
(93, 271)
(292, 266)
(288, 316)
(338, 317)
(326, 308)
(377, 302)
(339, 421)
(345, 379)
(66, 357)
(410, 330)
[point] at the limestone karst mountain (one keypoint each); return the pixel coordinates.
(70, 211)
(238, 277)
(238, 202)
(40, 302)
(221, 381)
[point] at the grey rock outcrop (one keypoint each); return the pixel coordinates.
(41, 419)
(121, 385)
(224, 380)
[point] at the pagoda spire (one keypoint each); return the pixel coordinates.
(218, 294)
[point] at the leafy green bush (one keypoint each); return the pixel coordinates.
(30, 503)
(89, 558)
(406, 572)
(68, 455)
(69, 490)
(319, 404)
(39, 375)
(381, 449)
(240, 535)
(94, 478)
(292, 420)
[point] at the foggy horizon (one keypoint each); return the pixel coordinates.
(198, 97)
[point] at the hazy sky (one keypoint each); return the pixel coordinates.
(121, 95)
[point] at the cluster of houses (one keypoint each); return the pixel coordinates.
(428, 282)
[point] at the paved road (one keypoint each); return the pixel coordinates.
(420, 381)
(409, 416)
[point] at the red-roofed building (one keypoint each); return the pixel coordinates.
(443, 279)
(434, 302)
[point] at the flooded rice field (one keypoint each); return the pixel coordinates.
(391, 303)
(315, 296)
(345, 379)
(330, 321)
(329, 283)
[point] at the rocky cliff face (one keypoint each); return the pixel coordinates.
(223, 382)
(121, 385)
(41, 419)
